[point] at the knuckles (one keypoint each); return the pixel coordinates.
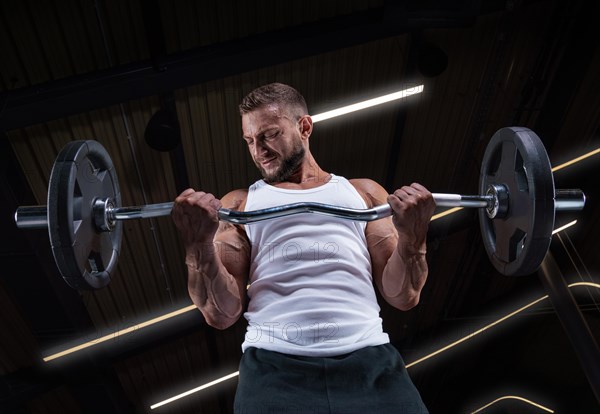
(412, 197)
(191, 200)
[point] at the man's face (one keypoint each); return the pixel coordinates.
(275, 143)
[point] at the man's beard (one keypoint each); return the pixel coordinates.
(288, 166)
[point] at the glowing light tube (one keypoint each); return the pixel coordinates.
(367, 104)
(566, 226)
(200, 388)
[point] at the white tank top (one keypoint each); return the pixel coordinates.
(311, 289)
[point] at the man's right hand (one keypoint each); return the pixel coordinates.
(195, 215)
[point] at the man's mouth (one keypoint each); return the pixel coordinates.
(266, 163)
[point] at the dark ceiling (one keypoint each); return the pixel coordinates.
(99, 69)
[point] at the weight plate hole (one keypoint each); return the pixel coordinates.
(494, 163)
(95, 263)
(77, 202)
(521, 174)
(517, 243)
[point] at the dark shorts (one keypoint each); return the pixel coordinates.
(370, 380)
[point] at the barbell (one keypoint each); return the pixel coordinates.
(517, 203)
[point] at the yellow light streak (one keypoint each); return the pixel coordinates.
(446, 213)
(485, 328)
(576, 160)
(514, 397)
(466, 338)
(116, 334)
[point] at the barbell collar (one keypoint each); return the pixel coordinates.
(499, 205)
(101, 208)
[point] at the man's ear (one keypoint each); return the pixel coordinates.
(306, 126)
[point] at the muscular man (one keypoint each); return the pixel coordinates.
(314, 342)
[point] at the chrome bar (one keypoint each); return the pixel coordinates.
(31, 217)
(447, 200)
(140, 212)
(569, 200)
(247, 217)
(457, 200)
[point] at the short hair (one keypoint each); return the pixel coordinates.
(274, 93)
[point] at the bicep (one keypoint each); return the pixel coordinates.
(381, 235)
(382, 239)
(233, 248)
(231, 242)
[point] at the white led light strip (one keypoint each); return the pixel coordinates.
(200, 388)
(412, 364)
(566, 226)
(367, 104)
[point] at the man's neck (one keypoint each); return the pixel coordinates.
(309, 175)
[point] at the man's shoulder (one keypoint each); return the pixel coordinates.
(364, 183)
(371, 191)
(367, 186)
(236, 199)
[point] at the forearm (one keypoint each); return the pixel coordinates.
(404, 276)
(211, 287)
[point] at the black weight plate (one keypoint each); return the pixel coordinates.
(85, 257)
(517, 243)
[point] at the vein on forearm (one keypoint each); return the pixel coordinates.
(404, 274)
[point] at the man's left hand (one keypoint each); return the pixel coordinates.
(413, 208)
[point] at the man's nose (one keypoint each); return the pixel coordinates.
(259, 149)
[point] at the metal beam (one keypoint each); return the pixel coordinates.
(158, 52)
(410, 71)
(572, 320)
(83, 93)
(575, 52)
